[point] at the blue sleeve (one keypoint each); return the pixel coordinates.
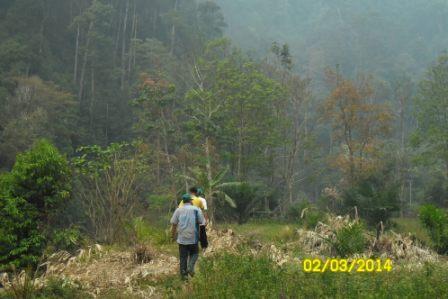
(175, 218)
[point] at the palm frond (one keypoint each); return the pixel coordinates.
(225, 197)
(218, 178)
(229, 184)
(229, 200)
(192, 179)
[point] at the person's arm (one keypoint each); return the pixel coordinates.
(173, 231)
(174, 221)
(204, 204)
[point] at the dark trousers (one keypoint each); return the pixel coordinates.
(188, 255)
(203, 237)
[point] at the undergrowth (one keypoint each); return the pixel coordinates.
(245, 276)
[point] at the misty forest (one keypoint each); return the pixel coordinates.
(316, 129)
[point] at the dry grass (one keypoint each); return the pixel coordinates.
(99, 270)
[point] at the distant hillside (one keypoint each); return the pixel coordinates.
(383, 37)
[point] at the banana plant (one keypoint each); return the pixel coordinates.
(214, 188)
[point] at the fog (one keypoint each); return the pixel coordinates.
(383, 37)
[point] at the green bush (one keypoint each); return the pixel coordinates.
(306, 214)
(249, 198)
(349, 240)
(436, 222)
(376, 198)
(59, 288)
(67, 239)
(29, 196)
(54, 289)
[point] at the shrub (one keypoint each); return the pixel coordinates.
(349, 240)
(436, 222)
(249, 198)
(375, 197)
(67, 239)
(306, 214)
(60, 288)
(108, 183)
(29, 197)
(24, 288)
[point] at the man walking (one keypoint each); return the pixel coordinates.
(198, 200)
(185, 222)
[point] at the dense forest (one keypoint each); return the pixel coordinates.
(111, 109)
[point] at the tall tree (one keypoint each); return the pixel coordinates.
(358, 123)
(432, 114)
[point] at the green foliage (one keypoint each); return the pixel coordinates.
(54, 289)
(244, 276)
(42, 177)
(159, 203)
(432, 133)
(35, 110)
(376, 198)
(306, 214)
(108, 187)
(349, 240)
(248, 198)
(29, 198)
(413, 226)
(67, 239)
(264, 230)
(436, 222)
(146, 233)
(214, 187)
(241, 277)
(60, 288)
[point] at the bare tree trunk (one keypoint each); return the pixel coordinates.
(173, 30)
(117, 40)
(84, 64)
(133, 37)
(107, 123)
(401, 165)
(75, 70)
(92, 99)
(123, 46)
(165, 143)
(208, 167)
(158, 167)
(240, 144)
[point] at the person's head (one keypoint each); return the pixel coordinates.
(200, 192)
(186, 198)
(194, 191)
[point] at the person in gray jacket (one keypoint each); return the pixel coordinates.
(185, 222)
